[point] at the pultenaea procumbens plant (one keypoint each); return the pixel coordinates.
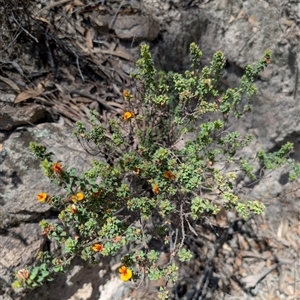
(143, 186)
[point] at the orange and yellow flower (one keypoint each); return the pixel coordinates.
(22, 274)
(57, 167)
(127, 94)
(155, 189)
(117, 239)
(126, 274)
(97, 247)
(169, 175)
(79, 197)
(42, 197)
(98, 193)
(128, 115)
(137, 171)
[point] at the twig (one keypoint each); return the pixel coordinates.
(86, 95)
(115, 16)
(58, 3)
(182, 225)
(34, 38)
(78, 67)
(252, 280)
(50, 57)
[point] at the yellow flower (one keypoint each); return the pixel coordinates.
(155, 189)
(169, 175)
(42, 197)
(126, 274)
(57, 167)
(79, 197)
(128, 115)
(127, 94)
(97, 247)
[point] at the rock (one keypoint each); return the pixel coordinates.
(12, 117)
(138, 28)
(20, 180)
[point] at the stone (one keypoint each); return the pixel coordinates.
(12, 117)
(135, 27)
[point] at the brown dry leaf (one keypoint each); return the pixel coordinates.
(69, 8)
(30, 93)
(252, 280)
(241, 15)
(283, 228)
(42, 85)
(289, 290)
(238, 261)
(252, 20)
(81, 100)
(78, 3)
(231, 19)
(81, 47)
(287, 22)
(60, 88)
(118, 53)
(10, 83)
(269, 263)
(89, 39)
(69, 75)
(79, 28)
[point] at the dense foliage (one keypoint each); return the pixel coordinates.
(167, 162)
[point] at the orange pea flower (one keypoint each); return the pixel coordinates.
(127, 94)
(137, 171)
(57, 167)
(22, 274)
(97, 247)
(117, 239)
(97, 194)
(169, 175)
(128, 115)
(79, 197)
(155, 189)
(126, 274)
(42, 197)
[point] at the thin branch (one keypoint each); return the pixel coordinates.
(78, 67)
(27, 32)
(115, 15)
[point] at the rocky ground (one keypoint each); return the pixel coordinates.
(62, 58)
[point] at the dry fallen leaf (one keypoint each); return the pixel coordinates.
(89, 39)
(30, 93)
(10, 83)
(252, 20)
(241, 15)
(231, 19)
(78, 3)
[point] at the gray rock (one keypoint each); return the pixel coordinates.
(138, 28)
(20, 180)
(12, 117)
